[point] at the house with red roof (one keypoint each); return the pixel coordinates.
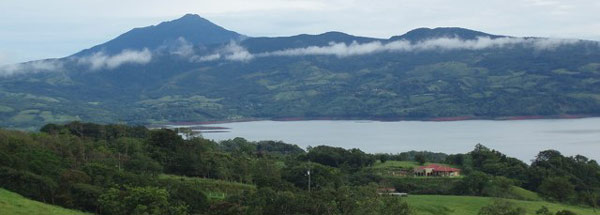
(436, 170)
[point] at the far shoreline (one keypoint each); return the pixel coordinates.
(379, 119)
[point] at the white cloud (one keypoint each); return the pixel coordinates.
(31, 67)
(182, 48)
(235, 52)
(338, 49)
(100, 60)
(211, 57)
(232, 51)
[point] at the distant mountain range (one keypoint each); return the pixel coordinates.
(190, 69)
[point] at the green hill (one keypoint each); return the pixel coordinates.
(12, 203)
(470, 205)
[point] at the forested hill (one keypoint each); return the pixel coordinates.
(190, 69)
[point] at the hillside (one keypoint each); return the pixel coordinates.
(193, 70)
(12, 203)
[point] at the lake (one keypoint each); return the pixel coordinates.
(522, 139)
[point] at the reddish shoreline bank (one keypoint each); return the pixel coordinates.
(436, 119)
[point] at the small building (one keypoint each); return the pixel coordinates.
(437, 170)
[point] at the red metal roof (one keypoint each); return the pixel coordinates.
(439, 168)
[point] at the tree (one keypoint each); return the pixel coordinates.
(501, 207)
(457, 159)
(142, 164)
(339, 157)
(473, 184)
(186, 192)
(278, 147)
(392, 205)
(28, 184)
(557, 188)
(265, 173)
(543, 211)
(163, 143)
(138, 200)
(498, 186)
(382, 157)
(420, 158)
(86, 196)
(497, 164)
(238, 145)
(321, 176)
(565, 212)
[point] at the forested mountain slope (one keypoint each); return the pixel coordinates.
(193, 70)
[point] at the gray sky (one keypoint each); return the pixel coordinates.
(36, 29)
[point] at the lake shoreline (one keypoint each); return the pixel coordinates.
(520, 137)
(380, 119)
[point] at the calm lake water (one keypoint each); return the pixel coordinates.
(522, 139)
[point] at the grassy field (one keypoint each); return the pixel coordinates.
(524, 194)
(12, 203)
(470, 205)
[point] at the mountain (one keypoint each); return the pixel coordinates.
(191, 27)
(421, 34)
(192, 70)
(262, 44)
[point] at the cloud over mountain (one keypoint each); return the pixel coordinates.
(100, 60)
(31, 67)
(235, 52)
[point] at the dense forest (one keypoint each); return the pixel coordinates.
(119, 169)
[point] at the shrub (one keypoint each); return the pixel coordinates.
(440, 186)
(557, 188)
(565, 212)
(86, 196)
(393, 205)
(543, 211)
(473, 184)
(186, 192)
(501, 207)
(138, 200)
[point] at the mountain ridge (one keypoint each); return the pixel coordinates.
(168, 32)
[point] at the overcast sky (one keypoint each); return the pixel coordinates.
(36, 29)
